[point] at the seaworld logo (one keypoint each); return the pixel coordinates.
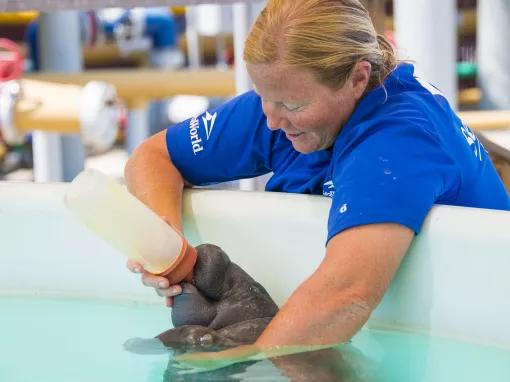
(196, 141)
(194, 125)
(328, 189)
(473, 141)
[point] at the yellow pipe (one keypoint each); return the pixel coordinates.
(148, 84)
(178, 10)
(136, 104)
(3, 151)
(174, 84)
(208, 45)
(470, 96)
(17, 18)
(48, 107)
(486, 119)
(108, 52)
(102, 54)
(467, 22)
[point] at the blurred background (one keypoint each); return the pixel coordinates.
(82, 85)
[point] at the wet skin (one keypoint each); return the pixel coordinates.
(223, 307)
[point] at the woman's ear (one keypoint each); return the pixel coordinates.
(360, 76)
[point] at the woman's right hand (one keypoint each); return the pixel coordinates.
(160, 284)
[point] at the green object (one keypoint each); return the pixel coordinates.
(466, 70)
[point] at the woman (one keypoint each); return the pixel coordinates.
(332, 113)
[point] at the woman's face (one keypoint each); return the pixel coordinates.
(308, 112)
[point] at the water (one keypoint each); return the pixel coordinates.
(75, 340)
(43, 339)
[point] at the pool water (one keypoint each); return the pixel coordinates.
(74, 340)
(55, 339)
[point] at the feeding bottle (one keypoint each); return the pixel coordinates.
(122, 220)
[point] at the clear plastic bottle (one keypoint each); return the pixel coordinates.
(128, 225)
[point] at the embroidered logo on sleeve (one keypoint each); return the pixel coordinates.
(470, 137)
(196, 141)
(472, 141)
(197, 145)
(209, 123)
(328, 189)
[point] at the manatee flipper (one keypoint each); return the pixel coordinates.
(192, 308)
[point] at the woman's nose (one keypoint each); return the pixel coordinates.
(275, 120)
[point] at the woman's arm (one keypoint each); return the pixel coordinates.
(151, 177)
(335, 302)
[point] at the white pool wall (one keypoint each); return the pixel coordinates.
(455, 280)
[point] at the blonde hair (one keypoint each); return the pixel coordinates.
(327, 37)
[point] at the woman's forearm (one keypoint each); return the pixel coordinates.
(335, 302)
(151, 177)
(315, 315)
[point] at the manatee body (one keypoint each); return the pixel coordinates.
(225, 306)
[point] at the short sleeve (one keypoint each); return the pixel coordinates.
(224, 144)
(393, 174)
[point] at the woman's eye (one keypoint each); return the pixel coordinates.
(291, 107)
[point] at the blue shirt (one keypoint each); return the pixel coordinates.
(402, 150)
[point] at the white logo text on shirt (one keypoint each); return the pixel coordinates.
(195, 139)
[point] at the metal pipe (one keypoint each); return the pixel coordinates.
(137, 127)
(493, 55)
(60, 50)
(47, 151)
(425, 31)
(194, 56)
(242, 24)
